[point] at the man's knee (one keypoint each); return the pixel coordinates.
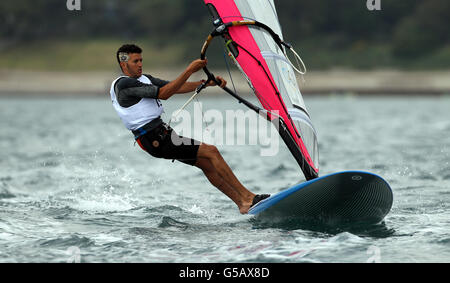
(209, 151)
(214, 151)
(204, 164)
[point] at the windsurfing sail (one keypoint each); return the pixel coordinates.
(254, 40)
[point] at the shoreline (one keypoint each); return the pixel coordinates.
(97, 83)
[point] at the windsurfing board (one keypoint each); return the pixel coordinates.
(339, 198)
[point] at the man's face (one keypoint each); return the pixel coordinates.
(133, 68)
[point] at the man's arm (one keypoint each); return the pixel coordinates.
(179, 85)
(130, 91)
(189, 87)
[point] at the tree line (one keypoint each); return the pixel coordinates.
(409, 27)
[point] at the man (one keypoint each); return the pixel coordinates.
(136, 98)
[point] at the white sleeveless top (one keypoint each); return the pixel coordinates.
(140, 113)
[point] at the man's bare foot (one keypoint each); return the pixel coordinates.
(246, 203)
(245, 207)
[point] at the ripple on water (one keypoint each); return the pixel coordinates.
(5, 190)
(64, 242)
(173, 211)
(446, 176)
(5, 194)
(168, 222)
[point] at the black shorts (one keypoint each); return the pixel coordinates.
(164, 142)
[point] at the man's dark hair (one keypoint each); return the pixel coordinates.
(128, 48)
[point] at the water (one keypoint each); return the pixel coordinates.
(74, 187)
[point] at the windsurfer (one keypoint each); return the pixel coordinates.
(137, 99)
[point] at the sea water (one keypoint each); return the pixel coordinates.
(74, 187)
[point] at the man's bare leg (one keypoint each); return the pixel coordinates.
(218, 172)
(216, 180)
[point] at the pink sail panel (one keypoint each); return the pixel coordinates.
(263, 83)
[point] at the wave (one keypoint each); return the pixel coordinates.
(168, 222)
(70, 241)
(5, 194)
(4, 191)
